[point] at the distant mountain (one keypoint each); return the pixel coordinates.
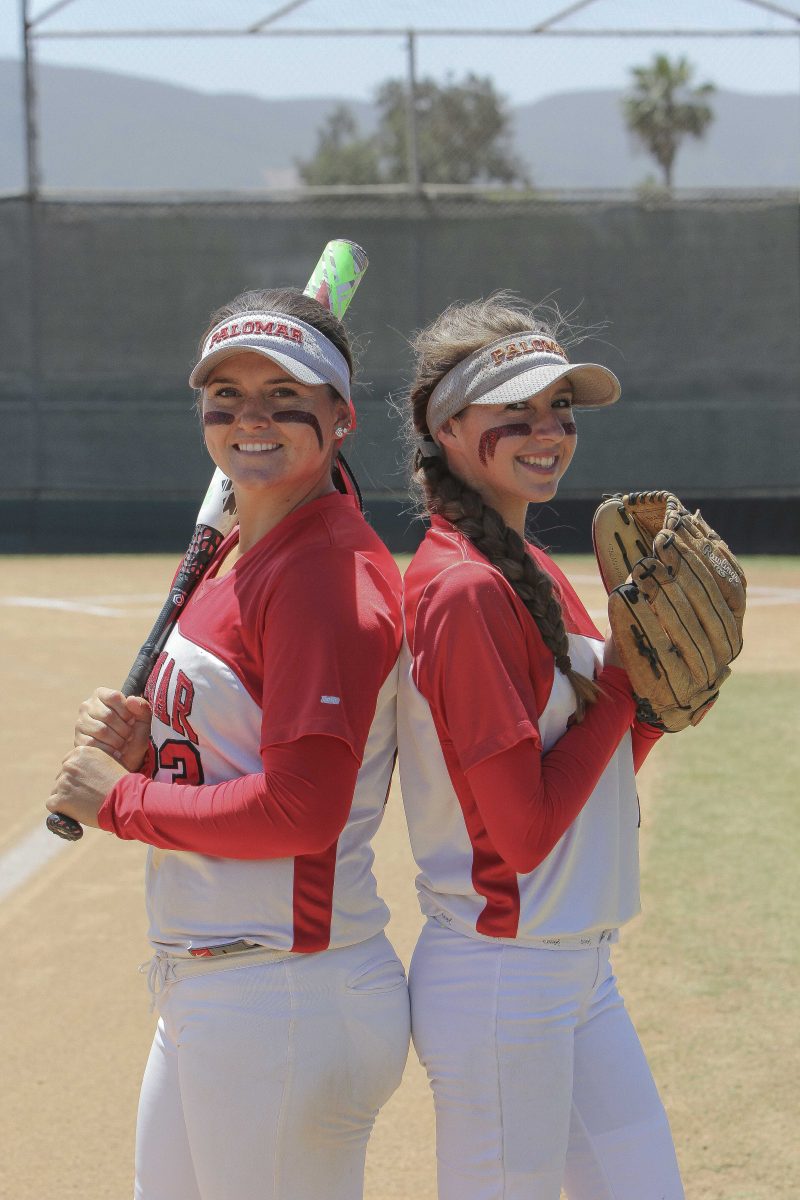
(102, 131)
(579, 140)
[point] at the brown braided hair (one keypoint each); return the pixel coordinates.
(459, 331)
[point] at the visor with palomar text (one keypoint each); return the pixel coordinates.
(303, 352)
(515, 368)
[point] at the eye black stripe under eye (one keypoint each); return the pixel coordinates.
(299, 417)
(490, 438)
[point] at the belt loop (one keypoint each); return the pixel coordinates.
(160, 975)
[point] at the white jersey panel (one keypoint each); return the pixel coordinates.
(229, 733)
(194, 899)
(590, 880)
(356, 904)
(198, 900)
(439, 839)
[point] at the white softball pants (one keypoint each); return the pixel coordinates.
(538, 1077)
(264, 1081)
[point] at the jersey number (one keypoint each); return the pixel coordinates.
(180, 759)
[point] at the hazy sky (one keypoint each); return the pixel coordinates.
(523, 68)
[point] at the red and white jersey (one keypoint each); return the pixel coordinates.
(476, 679)
(300, 637)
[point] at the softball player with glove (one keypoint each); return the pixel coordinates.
(518, 751)
(257, 771)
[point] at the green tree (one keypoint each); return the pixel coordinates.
(663, 108)
(462, 132)
(462, 137)
(342, 156)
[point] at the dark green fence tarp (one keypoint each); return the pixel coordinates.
(103, 304)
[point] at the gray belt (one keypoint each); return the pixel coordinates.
(225, 948)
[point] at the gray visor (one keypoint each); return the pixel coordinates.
(515, 368)
(304, 353)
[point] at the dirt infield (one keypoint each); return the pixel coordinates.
(77, 1026)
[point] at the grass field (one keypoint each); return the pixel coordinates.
(709, 970)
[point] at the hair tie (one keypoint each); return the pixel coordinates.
(564, 663)
(428, 448)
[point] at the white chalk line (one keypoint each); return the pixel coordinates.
(758, 595)
(27, 857)
(122, 598)
(116, 608)
(32, 852)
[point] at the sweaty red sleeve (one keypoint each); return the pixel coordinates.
(471, 662)
(643, 738)
(527, 799)
(299, 805)
(332, 636)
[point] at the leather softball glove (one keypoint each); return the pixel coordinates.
(676, 604)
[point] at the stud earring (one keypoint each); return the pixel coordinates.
(341, 430)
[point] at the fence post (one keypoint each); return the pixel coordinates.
(411, 115)
(33, 281)
(29, 108)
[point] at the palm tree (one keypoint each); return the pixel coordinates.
(662, 109)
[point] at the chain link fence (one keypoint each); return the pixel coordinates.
(132, 227)
(701, 301)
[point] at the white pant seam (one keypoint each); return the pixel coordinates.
(498, 1071)
(279, 1125)
(596, 979)
(612, 1195)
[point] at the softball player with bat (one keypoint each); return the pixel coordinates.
(256, 769)
(517, 769)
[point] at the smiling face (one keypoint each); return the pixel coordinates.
(265, 430)
(513, 454)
